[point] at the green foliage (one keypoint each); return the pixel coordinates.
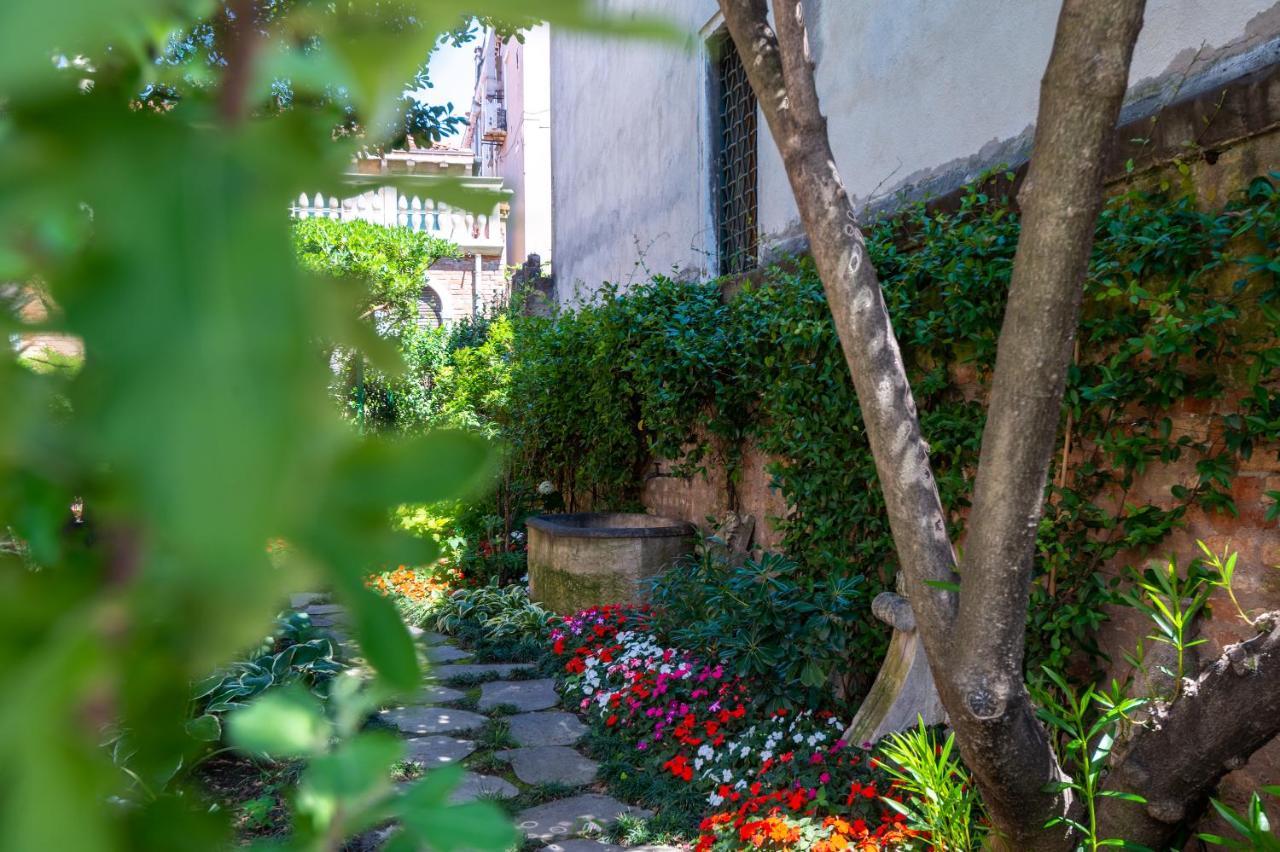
(1181, 310)
(768, 619)
(1253, 827)
(942, 799)
(392, 265)
(294, 654)
(503, 613)
(1172, 604)
(198, 428)
(1088, 721)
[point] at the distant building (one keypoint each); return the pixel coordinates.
(456, 288)
(510, 133)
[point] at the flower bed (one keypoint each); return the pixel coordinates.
(775, 779)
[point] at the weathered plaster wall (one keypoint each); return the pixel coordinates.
(920, 95)
(627, 153)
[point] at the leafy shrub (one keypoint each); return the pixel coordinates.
(682, 371)
(942, 799)
(503, 612)
(768, 619)
(296, 653)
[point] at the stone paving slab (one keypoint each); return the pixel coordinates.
(580, 845)
(476, 786)
(326, 609)
(433, 720)
(547, 728)
(566, 817)
(446, 653)
(525, 695)
(302, 600)
(440, 695)
(427, 637)
(437, 750)
(550, 765)
(459, 669)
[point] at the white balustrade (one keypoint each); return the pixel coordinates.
(388, 206)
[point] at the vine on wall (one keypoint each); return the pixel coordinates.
(1182, 308)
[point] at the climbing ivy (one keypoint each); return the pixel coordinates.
(1182, 305)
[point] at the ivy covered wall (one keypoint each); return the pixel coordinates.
(691, 401)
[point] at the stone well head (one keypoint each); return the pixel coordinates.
(587, 559)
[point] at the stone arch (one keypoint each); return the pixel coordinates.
(431, 312)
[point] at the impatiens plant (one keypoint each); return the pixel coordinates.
(688, 719)
(775, 829)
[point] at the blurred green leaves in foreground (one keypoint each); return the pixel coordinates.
(198, 428)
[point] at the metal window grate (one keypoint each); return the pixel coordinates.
(735, 148)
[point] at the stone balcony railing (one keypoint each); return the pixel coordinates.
(478, 234)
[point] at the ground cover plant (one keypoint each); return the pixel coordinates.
(683, 716)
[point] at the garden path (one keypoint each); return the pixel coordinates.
(506, 728)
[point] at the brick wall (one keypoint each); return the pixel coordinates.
(454, 279)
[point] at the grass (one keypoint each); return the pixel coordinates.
(677, 807)
(470, 701)
(503, 710)
(634, 831)
(495, 735)
(463, 681)
(539, 794)
(488, 763)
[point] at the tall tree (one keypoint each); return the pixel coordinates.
(974, 638)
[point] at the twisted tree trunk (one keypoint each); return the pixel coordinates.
(974, 640)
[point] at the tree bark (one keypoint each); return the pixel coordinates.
(1080, 98)
(782, 77)
(1230, 711)
(974, 644)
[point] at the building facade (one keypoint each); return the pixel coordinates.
(662, 163)
(456, 288)
(509, 134)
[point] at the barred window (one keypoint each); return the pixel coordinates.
(734, 149)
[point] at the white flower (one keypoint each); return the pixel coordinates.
(545, 487)
(714, 800)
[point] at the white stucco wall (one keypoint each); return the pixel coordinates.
(919, 94)
(525, 159)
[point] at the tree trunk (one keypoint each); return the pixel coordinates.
(974, 644)
(1231, 710)
(1080, 97)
